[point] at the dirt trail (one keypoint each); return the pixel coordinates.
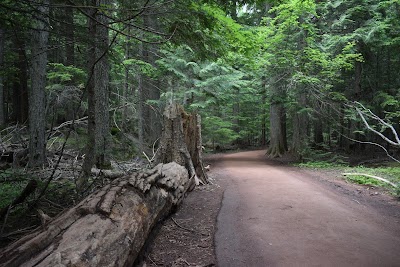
(275, 216)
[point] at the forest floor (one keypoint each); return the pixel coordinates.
(187, 238)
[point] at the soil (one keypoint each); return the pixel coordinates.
(317, 217)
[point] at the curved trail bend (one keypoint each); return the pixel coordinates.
(276, 216)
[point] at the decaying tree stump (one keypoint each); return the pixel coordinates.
(181, 142)
(109, 227)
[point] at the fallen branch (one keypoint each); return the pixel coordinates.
(110, 174)
(71, 122)
(182, 227)
(371, 176)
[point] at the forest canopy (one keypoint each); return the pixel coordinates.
(304, 77)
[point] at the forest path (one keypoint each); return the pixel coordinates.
(278, 216)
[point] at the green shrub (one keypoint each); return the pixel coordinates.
(360, 179)
(320, 165)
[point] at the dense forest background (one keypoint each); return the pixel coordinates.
(305, 77)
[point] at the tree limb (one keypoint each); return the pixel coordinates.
(370, 114)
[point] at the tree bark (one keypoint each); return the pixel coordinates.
(300, 126)
(181, 142)
(141, 104)
(264, 113)
(193, 141)
(278, 144)
(69, 37)
(101, 75)
(357, 80)
(2, 117)
(318, 132)
(37, 105)
(20, 89)
(109, 227)
(90, 145)
(98, 95)
(151, 119)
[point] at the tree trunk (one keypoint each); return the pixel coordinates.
(151, 119)
(101, 83)
(109, 227)
(141, 119)
(20, 88)
(125, 91)
(193, 141)
(300, 126)
(181, 142)
(98, 96)
(318, 132)
(90, 145)
(37, 106)
(69, 37)
(357, 80)
(278, 144)
(264, 113)
(2, 117)
(236, 111)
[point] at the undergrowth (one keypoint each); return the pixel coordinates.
(363, 180)
(391, 174)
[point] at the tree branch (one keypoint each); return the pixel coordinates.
(370, 114)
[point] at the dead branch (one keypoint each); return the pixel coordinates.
(182, 227)
(365, 112)
(371, 176)
(374, 144)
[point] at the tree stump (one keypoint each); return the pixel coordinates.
(109, 227)
(181, 142)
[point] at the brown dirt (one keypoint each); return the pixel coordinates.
(275, 215)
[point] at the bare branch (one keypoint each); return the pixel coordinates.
(374, 144)
(368, 113)
(121, 32)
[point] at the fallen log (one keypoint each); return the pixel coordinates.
(109, 227)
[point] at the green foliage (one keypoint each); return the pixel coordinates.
(359, 179)
(76, 141)
(141, 66)
(58, 74)
(320, 165)
(234, 35)
(390, 173)
(321, 157)
(8, 192)
(198, 85)
(12, 182)
(218, 131)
